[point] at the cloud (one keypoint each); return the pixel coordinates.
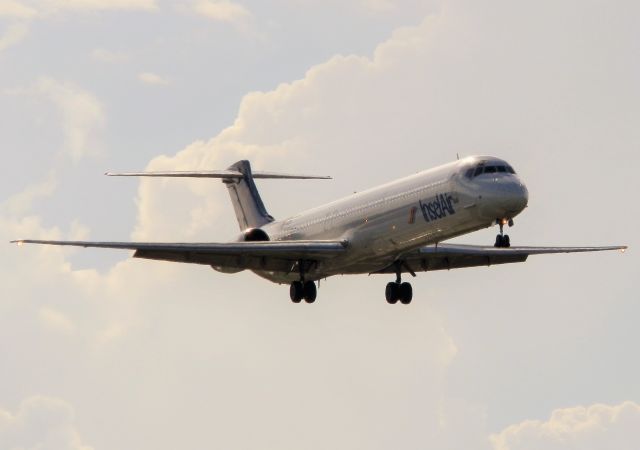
(597, 427)
(23, 13)
(41, 423)
(16, 10)
(153, 79)
(222, 11)
(22, 202)
(107, 56)
(56, 320)
(97, 5)
(239, 344)
(13, 34)
(82, 115)
(379, 5)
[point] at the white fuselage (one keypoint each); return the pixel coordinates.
(382, 223)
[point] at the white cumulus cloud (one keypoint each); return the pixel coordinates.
(597, 427)
(81, 114)
(98, 5)
(23, 13)
(56, 320)
(108, 56)
(153, 79)
(13, 34)
(222, 11)
(41, 423)
(16, 9)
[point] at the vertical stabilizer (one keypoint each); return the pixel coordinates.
(250, 210)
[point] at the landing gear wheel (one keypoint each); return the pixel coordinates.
(391, 293)
(406, 293)
(296, 291)
(502, 240)
(310, 292)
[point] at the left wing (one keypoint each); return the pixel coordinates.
(261, 255)
(455, 256)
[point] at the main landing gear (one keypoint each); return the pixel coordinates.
(303, 289)
(502, 240)
(398, 290)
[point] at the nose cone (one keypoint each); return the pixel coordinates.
(504, 198)
(515, 198)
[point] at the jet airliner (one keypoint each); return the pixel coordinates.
(397, 228)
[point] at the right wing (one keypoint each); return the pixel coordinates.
(262, 255)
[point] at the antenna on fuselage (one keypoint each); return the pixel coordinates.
(457, 157)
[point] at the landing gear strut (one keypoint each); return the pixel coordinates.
(303, 289)
(398, 290)
(502, 240)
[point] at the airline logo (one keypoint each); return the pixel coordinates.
(437, 207)
(412, 215)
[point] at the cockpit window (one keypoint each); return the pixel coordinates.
(483, 168)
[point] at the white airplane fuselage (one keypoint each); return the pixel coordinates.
(382, 223)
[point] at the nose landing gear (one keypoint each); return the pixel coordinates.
(502, 240)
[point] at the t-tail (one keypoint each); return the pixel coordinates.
(246, 200)
(239, 178)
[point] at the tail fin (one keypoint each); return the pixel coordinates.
(250, 210)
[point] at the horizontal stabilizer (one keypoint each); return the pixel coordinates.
(223, 174)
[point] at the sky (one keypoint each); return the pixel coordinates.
(101, 351)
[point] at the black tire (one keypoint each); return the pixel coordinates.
(296, 292)
(506, 242)
(310, 292)
(499, 241)
(406, 293)
(391, 293)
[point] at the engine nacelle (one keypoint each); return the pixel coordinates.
(255, 235)
(250, 235)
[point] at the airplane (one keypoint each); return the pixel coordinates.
(395, 228)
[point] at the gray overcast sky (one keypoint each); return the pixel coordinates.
(100, 351)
